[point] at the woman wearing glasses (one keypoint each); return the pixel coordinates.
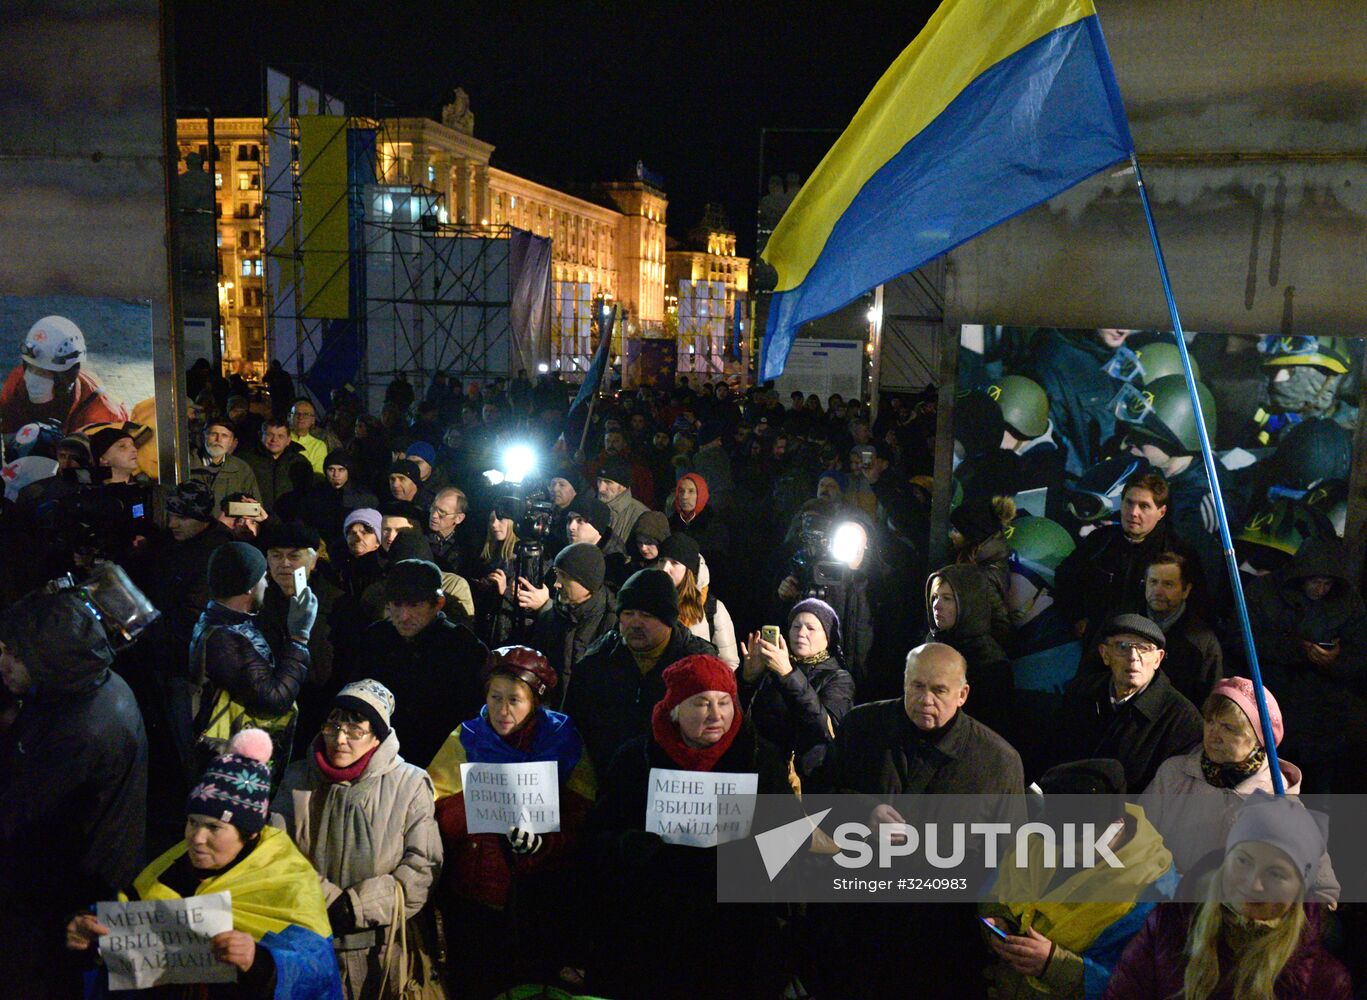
(365, 819)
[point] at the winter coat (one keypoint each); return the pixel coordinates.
(89, 404)
(610, 700)
(1141, 733)
(362, 836)
(1155, 962)
(234, 656)
(1283, 617)
(178, 586)
(716, 626)
(626, 511)
(852, 605)
(989, 672)
(434, 677)
(479, 866)
(73, 786)
(273, 474)
(661, 906)
(564, 632)
(879, 751)
(1104, 575)
(1195, 824)
(232, 475)
(1068, 366)
(1192, 659)
(324, 678)
(800, 713)
(707, 529)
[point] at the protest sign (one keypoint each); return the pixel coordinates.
(685, 806)
(158, 941)
(498, 796)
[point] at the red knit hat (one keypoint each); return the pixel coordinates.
(1240, 691)
(694, 675)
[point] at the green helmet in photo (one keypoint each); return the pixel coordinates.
(1161, 411)
(1024, 404)
(1162, 358)
(1038, 545)
(1313, 451)
(1329, 353)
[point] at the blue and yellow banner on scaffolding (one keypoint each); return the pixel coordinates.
(996, 106)
(324, 258)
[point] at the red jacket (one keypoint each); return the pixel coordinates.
(1153, 964)
(89, 405)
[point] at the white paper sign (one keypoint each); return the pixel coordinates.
(165, 941)
(685, 808)
(498, 796)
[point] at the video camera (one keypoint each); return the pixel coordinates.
(100, 520)
(813, 564)
(529, 507)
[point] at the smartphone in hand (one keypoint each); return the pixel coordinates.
(301, 580)
(994, 928)
(769, 633)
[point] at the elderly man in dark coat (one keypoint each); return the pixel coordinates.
(920, 744)
(1131, 713)
(73, 785)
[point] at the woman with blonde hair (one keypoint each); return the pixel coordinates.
(699, 610)
(1254, 936)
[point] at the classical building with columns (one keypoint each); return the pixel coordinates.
(707, 300)
(607, 243)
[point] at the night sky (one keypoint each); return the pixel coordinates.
(571, 92)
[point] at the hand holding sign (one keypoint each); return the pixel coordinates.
(700, 808)
(499, 796)
(152, 942)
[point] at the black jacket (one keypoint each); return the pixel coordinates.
(667, 893)
(178, 586)
(434, 677)
(989, 672)
(73, 789)
(1104, 575)
(564, 632)
(1141, 733)
(610, 700)
(1193, 661)
(323, 681)
(800, 713)
(273, 474)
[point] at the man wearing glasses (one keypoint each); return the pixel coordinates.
(1131, 713)
(443, 519)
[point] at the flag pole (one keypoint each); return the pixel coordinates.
(1208, 457)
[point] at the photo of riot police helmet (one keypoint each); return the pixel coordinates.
(1160, 412)
(1148, 362)
(1304, 372)
(1312, 453)
(1038, 545)
(1024, 405)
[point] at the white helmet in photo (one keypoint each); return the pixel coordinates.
(54, 344)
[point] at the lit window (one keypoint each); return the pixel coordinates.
(246, 267)
(256, 267)
(431, 174)
(218, 179)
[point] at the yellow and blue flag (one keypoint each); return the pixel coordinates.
(996, 106)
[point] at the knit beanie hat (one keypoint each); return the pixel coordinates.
(234, 569)
(368, 516)
(410, 543)
(413, 580)
(1283, 822)
(618, 469)
(406, 467)
(193, 499)
(104, 439)
(840, 479)
(1240, 691)
(975, 520)
(340, 457)
(278, 534)
(422, 450)
(584, 562)
(653, 526)
(683, 549)
(694, 675)
(593, 510)
(825, 614)
(651, 591)
(236, 786)
(371, 700)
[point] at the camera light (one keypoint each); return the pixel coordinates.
(493, 477)
(519, 462)
(543, 368)
(847, 544)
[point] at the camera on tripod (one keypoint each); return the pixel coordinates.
(530, 509)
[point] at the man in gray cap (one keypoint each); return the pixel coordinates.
(237, 678)
(1131, 712)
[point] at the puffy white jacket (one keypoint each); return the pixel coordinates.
(720, 632)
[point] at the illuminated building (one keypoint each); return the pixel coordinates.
(705, 281)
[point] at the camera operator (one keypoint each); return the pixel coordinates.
(73, 784)
(829, 558)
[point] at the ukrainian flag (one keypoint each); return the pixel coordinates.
(996, 106)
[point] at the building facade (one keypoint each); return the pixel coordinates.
(607, 245)
(707, 299)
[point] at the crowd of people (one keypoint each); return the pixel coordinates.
(691, 579)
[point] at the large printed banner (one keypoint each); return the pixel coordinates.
(162, 941)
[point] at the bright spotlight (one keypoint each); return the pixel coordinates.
(519, 462)
(848, 542)
(493, 477)
(543, 368)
